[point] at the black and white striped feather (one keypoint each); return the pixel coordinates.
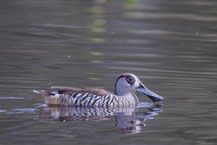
(89, 99)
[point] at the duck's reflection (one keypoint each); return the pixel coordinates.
(134, 123)
(129, 120)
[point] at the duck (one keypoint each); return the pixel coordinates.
(126, 86)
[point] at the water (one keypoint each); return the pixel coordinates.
(169, 45)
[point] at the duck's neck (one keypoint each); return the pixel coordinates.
(136, 98)
(130, 96)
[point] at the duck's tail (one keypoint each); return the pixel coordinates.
(49, 98)
(43, 93)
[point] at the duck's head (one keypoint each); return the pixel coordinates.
(129, 83)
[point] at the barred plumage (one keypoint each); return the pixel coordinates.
(87, 99)
(126, 86)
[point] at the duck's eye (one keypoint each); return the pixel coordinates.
(130, 79)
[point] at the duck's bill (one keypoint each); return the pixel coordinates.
(153, 96)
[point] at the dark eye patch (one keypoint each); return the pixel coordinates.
(130, 80)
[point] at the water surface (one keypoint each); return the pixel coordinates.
(169, 45)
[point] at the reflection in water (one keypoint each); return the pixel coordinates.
(126, 119)
(134, 123)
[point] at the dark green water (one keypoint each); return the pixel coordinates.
(170, 45)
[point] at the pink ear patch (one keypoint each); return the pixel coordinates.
(124, 77)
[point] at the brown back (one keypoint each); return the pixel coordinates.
(71, 90)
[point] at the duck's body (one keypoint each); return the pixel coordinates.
(84, 97)
(126, 86)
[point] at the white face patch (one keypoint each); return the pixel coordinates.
(137, 83)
